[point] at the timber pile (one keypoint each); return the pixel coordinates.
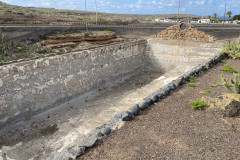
(184, 31)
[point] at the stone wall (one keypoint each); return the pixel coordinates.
(31, 87)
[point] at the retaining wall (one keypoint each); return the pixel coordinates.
(30, 87)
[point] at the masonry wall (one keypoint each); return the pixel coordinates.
(30, 87)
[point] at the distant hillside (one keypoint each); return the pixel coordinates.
(16, 14)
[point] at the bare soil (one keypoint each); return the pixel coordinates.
(171, 129)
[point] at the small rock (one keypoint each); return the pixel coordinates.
(149, 101)
(135, 110)
(127, 116)
(106, 131)
(167, 90)
(183, 80)
(233, 109)
(177, 82)
(81, 150)
(172, 86)
(155, 99)
(28, 42)
(143, 105)
(160, 95)
(187, 75)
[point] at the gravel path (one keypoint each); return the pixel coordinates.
(171, 129)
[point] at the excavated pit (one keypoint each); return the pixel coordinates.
(56, 131)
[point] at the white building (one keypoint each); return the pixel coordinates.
(204, 21)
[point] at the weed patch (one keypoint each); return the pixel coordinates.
(229, 69)
(206, 92)
(191, 84)
(198, 104)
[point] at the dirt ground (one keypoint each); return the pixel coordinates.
(171, 129)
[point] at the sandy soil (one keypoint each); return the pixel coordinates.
(171, 129)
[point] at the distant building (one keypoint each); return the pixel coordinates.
(193, 21)
(157, 20)
(166, 20)
(204, 21)
(236, 22)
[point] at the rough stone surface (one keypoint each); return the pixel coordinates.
(106, 131)
(149, 101)
(77, 37)
(135, 110)
(167, 90)
(127, 116)
(178, 82)
(89, 141)
(56, 156)
(188, 33)
(155, 98)
(143, 105)
(172, 86)
(227, 105)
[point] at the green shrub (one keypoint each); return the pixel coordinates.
(223, 62)
(206, 92)
(3, 59)
(229, 69)
(87, 34)
(106, 29)
(232, 49)
(191, 84)
(225, 82)
(198, 104)
(73, 46)
(191, 78)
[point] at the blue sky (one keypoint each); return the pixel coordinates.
(199, 7)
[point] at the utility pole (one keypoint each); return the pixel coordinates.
(86, 15)
(178, 11)
(96, 12)
(225, 12)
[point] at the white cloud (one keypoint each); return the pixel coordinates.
(202, 2)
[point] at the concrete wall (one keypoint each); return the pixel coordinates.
(30, 87)
(169, 54)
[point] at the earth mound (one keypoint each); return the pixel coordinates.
(184, 31)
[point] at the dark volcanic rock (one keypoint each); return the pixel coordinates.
(127, 116)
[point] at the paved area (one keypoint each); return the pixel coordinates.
(171, 129)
